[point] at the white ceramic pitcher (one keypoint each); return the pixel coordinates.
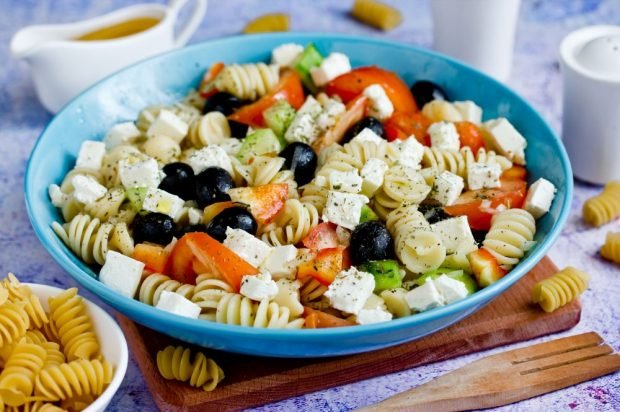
(63, 66)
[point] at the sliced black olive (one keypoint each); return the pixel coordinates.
(153, 227)
(190, 229)
(237, 129)
(433, 213)
(223, 102)
(425, 91)
(179, 180)
(367, 122)
(371, 241)
(234, 218)
(301, 160)
(212, 185)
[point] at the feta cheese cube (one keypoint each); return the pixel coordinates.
(367, 135)
(121, 273)
(455, 234)
(332, 110)
(349, 181)
(408, 152)
(139, 173)
(447, 188)
(470, 111)
(331, 67)
(90, 155)
(450, 289)
(303, 129)
(483, 176)
(380, 105)
(87, 189)
(311, 106)
(288, 296)
(160, 201)
(210, 156)
(247, 247)
(369, 316)
(258, 287)
(372, 174)
(506, 139)
(424, 297)
(444, 136)
(177, 304)
(57, 196)
(344, 209)
(121, 133)
(350, 290)
(170, 125)
(539, 197)
(281, 262)
(285, 54)
(194, 216)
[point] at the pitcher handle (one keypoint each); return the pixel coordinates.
(197, 15)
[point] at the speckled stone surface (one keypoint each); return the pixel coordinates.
(536, 76)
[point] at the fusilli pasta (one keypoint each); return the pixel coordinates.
(76, 378)
(247, 81)
(611, 248)
(154, 284)
(18, 377)
(292, 224)
(207, 294)
(235, 309)
(604, 207)
(175, 363)
(14, 322)
(402, 185)
(560, 289)
(510, 236)
(212, 128)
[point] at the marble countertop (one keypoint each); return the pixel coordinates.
(536, 76)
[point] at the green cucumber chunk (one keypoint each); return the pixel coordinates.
(368, 214)
(136, 196)
(307, 60)
(386, 272)
(257, 143)
(279, 117)
(460, 275)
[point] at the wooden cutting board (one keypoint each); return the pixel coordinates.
(252, 381)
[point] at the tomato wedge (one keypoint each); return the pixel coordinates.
(322, 236)
(403, 125)
(356, 109)
(289, 88)
(485, 267)
(180, 266)
(470, 135)
(154, 257)
(316, 319)
(206, 89)
(516, 172)
(350, 85)
(265, 201)
(325, 266)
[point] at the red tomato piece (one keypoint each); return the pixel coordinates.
(322, 236)
(206, 89)
(265, 201)
(154, 257)
(485, 267)
(470, 135)
(316, 319)
(516, 172)
(324, 267)
(350, 85)
(356, 109)
(181, 260)
(403, 125)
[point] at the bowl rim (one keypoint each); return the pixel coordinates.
(67, 261)
(120, 370)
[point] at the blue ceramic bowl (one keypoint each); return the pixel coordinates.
(169, 77)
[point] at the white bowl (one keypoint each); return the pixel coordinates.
(111, 339)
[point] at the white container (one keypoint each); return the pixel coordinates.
(590, 60)
(478, 32)
(62, 67)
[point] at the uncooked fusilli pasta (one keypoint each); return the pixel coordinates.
(611, 248)
(560, 289)
(18, 377)
(175, 363)
(76, 378)
(604, 207)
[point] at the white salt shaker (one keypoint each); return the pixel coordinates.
(478, 32)
(590, 60)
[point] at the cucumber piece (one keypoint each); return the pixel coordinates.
(386, 272)
(136, 196)
(279, 117)
(257, 143)
(460, 275)
(368, 214)
(306, 61)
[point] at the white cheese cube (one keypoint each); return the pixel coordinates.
(344, 209)
(139, 173)
(57, 196)
(506, 139)
(194, 216)
(424, 297)
(451, 289)
(87, 189)
(288, 296)
(470, 111)
(409, 152)
(332, 110)
(121, 133)
(447, 188)
(281, 262)
(380, 105)
(331, 67)
(121, 273)
(177, 304)
(539, 197)
(455, 234)
(258, 287)
(483, 176)
(349, 181)
(210, 156)
(90, 155)
(369, 316)
(285, 54)
(350, 290)
(311, 106)
(170, 125)
(444, 136)
(303, 129)
(160, 201)
(367, 135)
(372, 174)
(247, 247)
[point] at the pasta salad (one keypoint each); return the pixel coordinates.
(303, 193)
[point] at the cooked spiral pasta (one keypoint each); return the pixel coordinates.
(186, 112)
(363, 151)
(154, 284)
(235, 309)
(604, 207)
(108, 206)
(265, 170)
(175, 363)
(292, 224)
(76, 378)
(207, 294)
(75, 330)
(510, 236)
(18, 377)
(611, 248)
(339, 162)
(314, 194)
(402, 185)
(458, 162)
(14, 322)
(441, 110)
(311, 291)
(395, 302)
(212, 128)
(247, 81)
(558, 290)
(109, 165)
(86, 237)
(162, 148)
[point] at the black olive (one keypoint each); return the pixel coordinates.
(433, 213)
(179, 180)
(238, 130)
(212, 185)
(190, 229)
(301, 160)
(222, 102)
(425, 91)
(479, 236)
(371, 241)
(367, 122)
(153, 227)
(234, 218)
